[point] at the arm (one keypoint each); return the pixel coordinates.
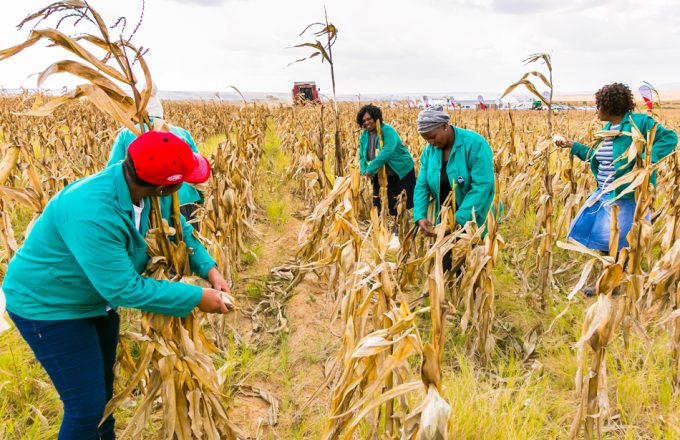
(362, 152)
(421, 193)
(390, 141)
(481, 188)
(120, 146)
(583, 152)
(665, 141)
(200, 261)
(108, 267)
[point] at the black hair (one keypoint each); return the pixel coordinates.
(615, 99)
(372, 110)
(129, 168)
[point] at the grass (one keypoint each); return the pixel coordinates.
(253, 254)
(210, 145)
(271, 193)
(29, 405)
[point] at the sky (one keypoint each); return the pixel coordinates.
(395, 46)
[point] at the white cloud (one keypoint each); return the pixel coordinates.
(384, 46)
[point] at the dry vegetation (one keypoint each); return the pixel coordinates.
(338, 338)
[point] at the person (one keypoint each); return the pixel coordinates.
(455, 160)
(83, 258)
(608, 162)
(189, 197)
(389, 153)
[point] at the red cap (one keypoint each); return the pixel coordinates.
(162, 158)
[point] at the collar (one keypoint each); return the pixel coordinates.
(122, 190)
(626, 119)
(457, 138)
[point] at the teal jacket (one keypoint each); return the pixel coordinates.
(665, 142)
(393, 153)
(470, 169)
(187, 193)
(84, 253)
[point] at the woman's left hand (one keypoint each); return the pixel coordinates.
(217, 280)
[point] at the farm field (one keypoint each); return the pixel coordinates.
(336, 335)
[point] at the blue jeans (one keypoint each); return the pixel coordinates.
(78, 355)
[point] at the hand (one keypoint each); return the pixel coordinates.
(427, 227)
(214, 301)
(217, 280)
(369, 175)
(563, 142)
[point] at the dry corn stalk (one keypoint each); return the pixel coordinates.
(640, 235)
(598, 328)
(230, 208)
(173, 363)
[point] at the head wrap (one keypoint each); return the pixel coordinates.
(154, 107)
(431, 118)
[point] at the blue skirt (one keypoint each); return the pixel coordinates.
(592, 225)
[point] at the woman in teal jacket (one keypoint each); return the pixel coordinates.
(189, 197)
(84, 258)
(454, 160)
(608, 161)
(390, 153)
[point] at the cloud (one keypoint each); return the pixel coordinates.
(539, 6)
(208, 3)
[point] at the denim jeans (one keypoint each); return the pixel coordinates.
(78, 355)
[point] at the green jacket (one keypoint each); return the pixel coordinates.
(470, 169)
(665, 142)
(393, 153)
(187, 193)
(84, 253)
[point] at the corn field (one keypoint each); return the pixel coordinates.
(339, 337)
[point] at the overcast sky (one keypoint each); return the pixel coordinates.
(395, 46)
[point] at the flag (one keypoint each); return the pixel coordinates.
(546, 96)
(646, 93)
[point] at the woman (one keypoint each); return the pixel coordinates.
(189, 197)
(83, 258)
(454, 160)
(608, 162)
(390, 153)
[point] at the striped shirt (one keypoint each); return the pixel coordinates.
(605, 157)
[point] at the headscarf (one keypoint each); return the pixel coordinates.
(154, 107)
(431, 118)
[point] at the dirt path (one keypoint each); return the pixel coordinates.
(290, 366)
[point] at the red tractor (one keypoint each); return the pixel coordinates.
(304, 92)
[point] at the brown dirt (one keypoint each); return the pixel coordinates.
(301, 357)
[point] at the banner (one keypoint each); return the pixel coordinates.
(481, 102)
(647, 95)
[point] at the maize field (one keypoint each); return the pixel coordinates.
(337, 336)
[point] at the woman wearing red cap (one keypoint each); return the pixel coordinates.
(83, 258)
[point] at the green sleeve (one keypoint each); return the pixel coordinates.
(107, 265)
(120, 146)
(421, 193)
(390, 140)
(481, 192)
(199, 259)
(362, 153)
(581, 151)
(665, 141)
